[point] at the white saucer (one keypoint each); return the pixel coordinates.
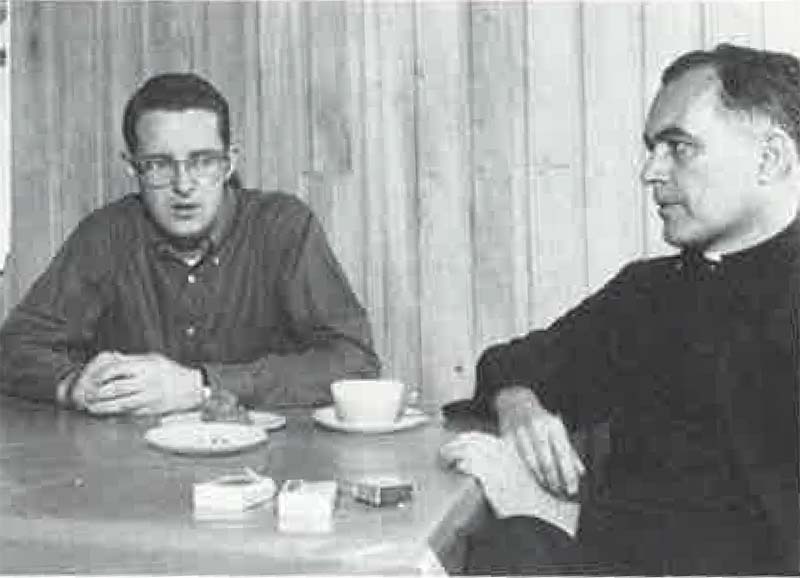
(326, 416)
(205, 438)
(266, 420)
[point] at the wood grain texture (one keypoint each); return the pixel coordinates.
(557, 223)
(475, 165)
(499, 161)
(78, 78)
(782, 25)
(445, 204)
(736, 22)
(612, 46)
(172, 34)
(668, 29)
(228, 57)
(282, 96)
(336, 188)
(392, 269)
(124, 63)
(34, 28)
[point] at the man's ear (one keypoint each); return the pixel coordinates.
(234, 152)
(778, 156)
(129, 169)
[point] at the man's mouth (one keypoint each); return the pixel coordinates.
(185, 209)
(666, 210)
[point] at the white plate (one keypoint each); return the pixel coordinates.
(326, 416)
(205, 438)
(266, 420)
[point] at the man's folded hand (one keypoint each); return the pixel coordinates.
(150, 383)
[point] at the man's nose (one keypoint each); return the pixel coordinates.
(656, 167)
(182, 180)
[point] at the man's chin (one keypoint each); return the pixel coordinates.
(186, 238)
(685, 242)
(671, 240)
(677, 239)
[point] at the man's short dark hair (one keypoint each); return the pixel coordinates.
(175, 92)
(752, 81)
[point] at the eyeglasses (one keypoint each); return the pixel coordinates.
(203, 167)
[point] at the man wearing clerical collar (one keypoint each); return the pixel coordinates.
(191, 287)
(691, 360)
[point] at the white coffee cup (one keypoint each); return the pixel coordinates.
(368, 400)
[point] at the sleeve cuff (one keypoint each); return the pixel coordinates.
(219, 376)
(65, 387)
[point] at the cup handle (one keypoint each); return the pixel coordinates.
(411, 400)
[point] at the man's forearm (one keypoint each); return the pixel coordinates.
(40, 372)
(298, 379)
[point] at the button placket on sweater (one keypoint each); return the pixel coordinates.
(193, 301)
(199, 284)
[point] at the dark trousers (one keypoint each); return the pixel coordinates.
(623, 543)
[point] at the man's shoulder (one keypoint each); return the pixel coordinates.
(273, 203)
(647, 268)
(274, 211)
(647, 273)
(118, 216)
(653, 265)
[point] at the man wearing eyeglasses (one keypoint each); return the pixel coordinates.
(190, 288)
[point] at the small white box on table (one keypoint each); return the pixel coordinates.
(306, 507)
(231, 493)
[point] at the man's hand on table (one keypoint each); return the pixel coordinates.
(541, 440)
(141, 384)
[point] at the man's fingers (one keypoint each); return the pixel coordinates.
(114, 371)
(548, 462)
(536, 454)
(545, 447)
(122, 386)
(577, 461)
(567, 467)
(570, 465)
(117, 405)
(102, 360)
(144, 410)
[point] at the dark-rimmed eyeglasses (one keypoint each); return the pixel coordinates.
(202, 167)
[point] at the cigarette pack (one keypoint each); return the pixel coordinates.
(382, 491)
(231, 493)
(306, 507)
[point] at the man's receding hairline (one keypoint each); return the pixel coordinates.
(711, 84)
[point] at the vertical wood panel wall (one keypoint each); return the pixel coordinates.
(475, 164)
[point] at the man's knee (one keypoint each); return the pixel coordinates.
(520, 545)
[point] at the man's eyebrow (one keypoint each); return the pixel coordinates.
(147, 156)
(169, 156)
(668, 133)
(204, 151)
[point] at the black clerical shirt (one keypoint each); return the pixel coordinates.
(693, 363)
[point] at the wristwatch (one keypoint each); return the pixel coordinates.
(207, 389)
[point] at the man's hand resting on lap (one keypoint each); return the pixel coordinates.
(541, 440)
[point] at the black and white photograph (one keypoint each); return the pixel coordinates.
(411, 287)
